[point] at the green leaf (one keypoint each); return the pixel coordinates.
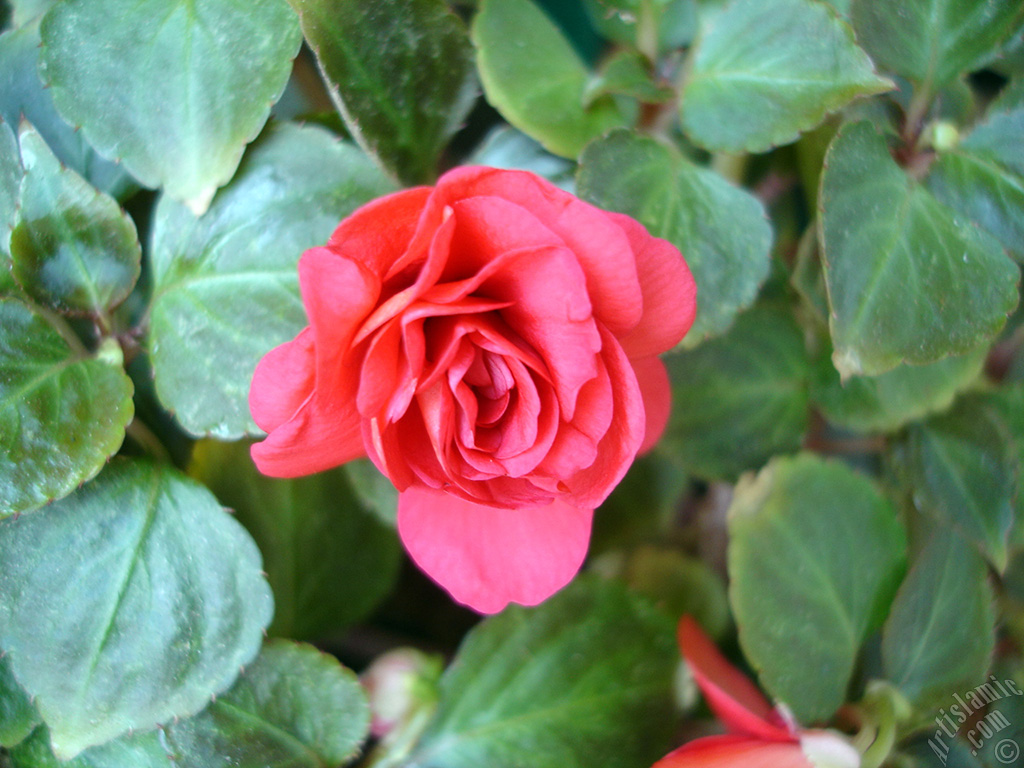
(908, 280)
(627, 73)
(893, 399)
(505, 147)
(18, 715)
(764, 72)
(962, 467)
(22, 94)
(293, 706)
(225, 284)
(721, 230)
(72, 247)
(982, 177)
(11, 172)
(741, 398)
(584, 679)
(400, 72)
(140, 750)
(28, 10)
(534, 78)
(62, 412)
(128, 603)
(329, 561)
(939, 638)
(201, 83)
(933, 41)
(812, 544)
(373, 490)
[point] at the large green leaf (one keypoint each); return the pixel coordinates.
(293, 707)
(648, 24)
(328, 560)
(531, 75)
(887, 402)
(933, 41)
(982, 177)
(505, 147)
(908, 280)
(939, 638)
(741, 398)
(962, 467)
(62, 412)
(815, 556)
(72, 247)
(203, 76)
(583, 680)
(225, 284)
(22, 94)
(764, 72)
(721, 230)
(400, 71)
(18, 715)
(140, 750)
(128, 603)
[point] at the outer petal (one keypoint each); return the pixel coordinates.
(735, 699)
(282, 382)
(378, 234)
(316, 438)
(657, 394)
(487, 557)
(735, 752)
(669, 291)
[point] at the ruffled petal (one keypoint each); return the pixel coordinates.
(603, 253)
(735, 752)
(282, 382)
(319, 436)
(657, 394)
(487, 557)
(669, 291)
(729, 693)
(378, 234)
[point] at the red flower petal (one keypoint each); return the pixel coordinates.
(735, 699)
(735, 752)
(282, 382)
(657, 394)
(488, 557)
(669, 291)
(360, 237)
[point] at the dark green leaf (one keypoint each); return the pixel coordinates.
(939, 638)
(583, 680)
(962, 467)
(293, 707)
(982, 177)
(741, 398)
(400, 71)
(812, 544)
(18, 715)
(764, 72)
(531, 75)
(720, 229)
(62, 412)
(225, 284)
(329, 561)
(22, 95)
(887, 402)
(200, 85)
(128, 603)
(72, 247)
(140, 750)
(908, 280)
(373, 490)
(933, 41)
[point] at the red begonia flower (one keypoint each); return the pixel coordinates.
(760, 736)
(491, 344)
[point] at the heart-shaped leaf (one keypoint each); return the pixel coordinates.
(201, 83)
(129, 603)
